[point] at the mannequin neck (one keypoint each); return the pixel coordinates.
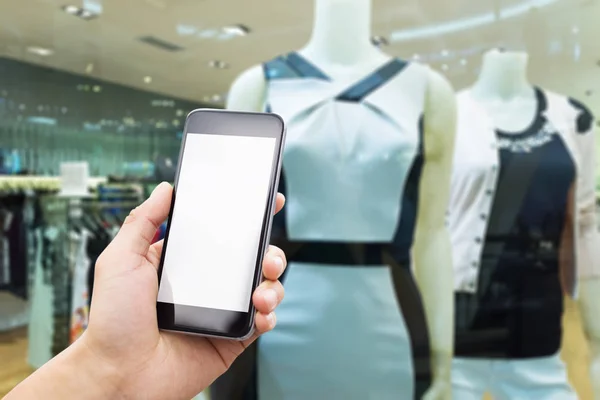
(341, 32)
(503, 75)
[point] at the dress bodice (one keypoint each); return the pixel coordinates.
(350, 149)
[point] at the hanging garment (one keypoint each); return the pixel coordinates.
(6, 218)
(41, 325)
(80, 293)
(351, 326)
(13, 244)
(522, 207)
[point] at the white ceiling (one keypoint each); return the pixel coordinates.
(552, 31)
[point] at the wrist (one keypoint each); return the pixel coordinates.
(104, 378)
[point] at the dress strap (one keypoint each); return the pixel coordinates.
(357, 92)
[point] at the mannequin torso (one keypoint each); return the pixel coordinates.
(342, 50)
(497, 128)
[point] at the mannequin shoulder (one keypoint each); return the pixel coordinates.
(247, 93)
(440, 107)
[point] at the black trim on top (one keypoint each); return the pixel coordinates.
(585, 118)
(405, 232)
(538, 119)
(372, 82)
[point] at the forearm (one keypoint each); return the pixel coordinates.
(434, 274)
(73, 374)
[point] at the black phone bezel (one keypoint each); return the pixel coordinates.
(208, 321)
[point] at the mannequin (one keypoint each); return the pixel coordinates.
(499, 108)
(341, 49)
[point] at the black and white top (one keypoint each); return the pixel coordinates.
(521, 219)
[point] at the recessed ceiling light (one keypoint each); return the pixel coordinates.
(82, 13)
(416, 57)
(218, 64)
(445, 53)
(97, 88)
(463, 62)
(575, 30)
(87, 14)
(236, 30)
(40, 51)
(71, 9)
(147, 79)
(445, 67)
(217, 98)
(89, 68)
(379, 41)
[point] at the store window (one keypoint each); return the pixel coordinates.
(440, 172)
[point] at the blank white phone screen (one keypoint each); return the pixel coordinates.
(221, 200)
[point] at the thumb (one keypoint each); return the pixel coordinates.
(139, 228)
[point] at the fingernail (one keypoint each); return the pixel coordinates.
(279, 263)
(272, 320)
(156, 188)
(271, 298)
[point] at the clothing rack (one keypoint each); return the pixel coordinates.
(72, 233)
(12, 183)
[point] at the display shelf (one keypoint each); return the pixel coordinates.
(36, 183)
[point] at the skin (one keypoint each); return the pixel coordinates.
(122, 354)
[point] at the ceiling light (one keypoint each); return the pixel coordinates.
(218, 64)
(575, 30)
(445, 53)
(148, 79)
(83, 13)
(458, 25)
(236, 30)
(416, 57)
(97, 88)
(379, 41)
(87, 14)
(89, 68)
(40, 51)
(71, 9)
(445, 67)
(463, 62)
(217, 98)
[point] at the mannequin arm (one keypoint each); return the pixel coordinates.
(588, 254)
(589, 304)
(248, 91)
(432, 250)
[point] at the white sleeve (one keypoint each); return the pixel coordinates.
(588, 243)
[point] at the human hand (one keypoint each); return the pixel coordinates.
(123, 335)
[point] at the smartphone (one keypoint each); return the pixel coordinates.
(220, 222)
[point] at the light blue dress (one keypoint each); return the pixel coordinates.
(351, 172)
